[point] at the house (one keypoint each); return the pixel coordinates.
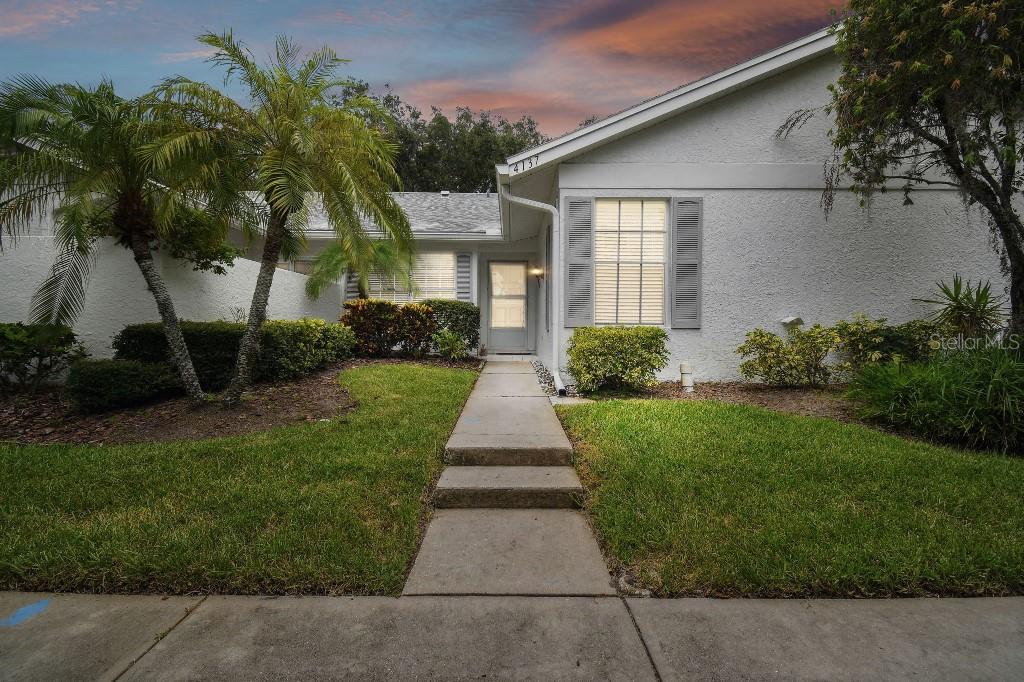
(683, 211)
(686, 212)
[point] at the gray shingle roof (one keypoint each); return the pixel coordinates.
(433, 215)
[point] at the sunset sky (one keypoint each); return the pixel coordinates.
(558, 60)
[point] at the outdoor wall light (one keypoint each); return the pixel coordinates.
(537, 272)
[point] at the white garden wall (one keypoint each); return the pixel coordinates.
(117, 294)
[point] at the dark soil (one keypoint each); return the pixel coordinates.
(49, 417)
(827, 401)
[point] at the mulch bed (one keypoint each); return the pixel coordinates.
(827, 401)
(49, 417)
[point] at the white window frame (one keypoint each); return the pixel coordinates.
(662, 265)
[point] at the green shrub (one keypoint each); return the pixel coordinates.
(100, 385)
(797, 360)
(416, 326)
(460, 317)
(451, 346)
(973, 398)
(288, 348)
(32, 354)
(294, 348)
(863, 341)
(375, 325)
(616, 357)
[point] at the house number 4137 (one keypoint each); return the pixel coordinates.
(526, 164)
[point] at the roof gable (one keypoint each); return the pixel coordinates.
(669, 104)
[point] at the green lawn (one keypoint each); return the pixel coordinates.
(331, 507)
(707, 498)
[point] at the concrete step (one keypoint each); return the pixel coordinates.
(508, 487)
(509, 551)
(470, 449)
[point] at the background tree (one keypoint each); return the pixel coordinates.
(81, 156)
(438, 153)
(932, 93)
(293, 150)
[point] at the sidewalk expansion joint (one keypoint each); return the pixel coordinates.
(643, 642)
(159, 638)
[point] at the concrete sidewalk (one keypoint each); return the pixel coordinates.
(85, 637)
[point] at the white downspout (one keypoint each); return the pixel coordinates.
(555, 320)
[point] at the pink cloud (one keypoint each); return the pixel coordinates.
(21, 18)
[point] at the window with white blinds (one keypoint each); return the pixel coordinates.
(433, 276)
(629, 260)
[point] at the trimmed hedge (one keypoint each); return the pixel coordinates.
(460, 317)
(100, 385)
(381, 327)
(288, 348)
(616, 357)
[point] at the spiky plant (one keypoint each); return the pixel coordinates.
(295, 150)
(79, 156)
(971, 310)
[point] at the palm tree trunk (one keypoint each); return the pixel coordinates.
(249, 345)
(172, 330)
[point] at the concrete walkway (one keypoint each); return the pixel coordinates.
(506, 522)
(85, 637)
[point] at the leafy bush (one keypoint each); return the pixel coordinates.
(973, 398)
(288, 348)
(970, 311)
(863, 341)
(294, 348)
(616, 357)
(32, 354)
(375, 324)
(797, 360)
(100, 385)
(460, 317)
(416, 326)
(450, 346)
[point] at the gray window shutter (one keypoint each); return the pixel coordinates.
(463, 291)
(579, 262)
(351, 286)
(685, 279)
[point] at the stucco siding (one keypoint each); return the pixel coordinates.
(769, 254)
(737, 128)
(117, 294)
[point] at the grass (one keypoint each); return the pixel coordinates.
(332, 507)
(708, 498)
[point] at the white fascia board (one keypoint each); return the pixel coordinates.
(422, 236)
(670, 104)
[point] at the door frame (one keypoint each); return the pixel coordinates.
(484, 286)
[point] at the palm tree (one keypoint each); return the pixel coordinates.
(294, 149)
(381, 257)
(80, 155)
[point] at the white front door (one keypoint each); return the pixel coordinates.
(507, 307)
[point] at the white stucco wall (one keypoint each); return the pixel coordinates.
(117, 294)
(768, 250)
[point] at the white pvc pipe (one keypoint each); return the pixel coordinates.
(686, 376)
